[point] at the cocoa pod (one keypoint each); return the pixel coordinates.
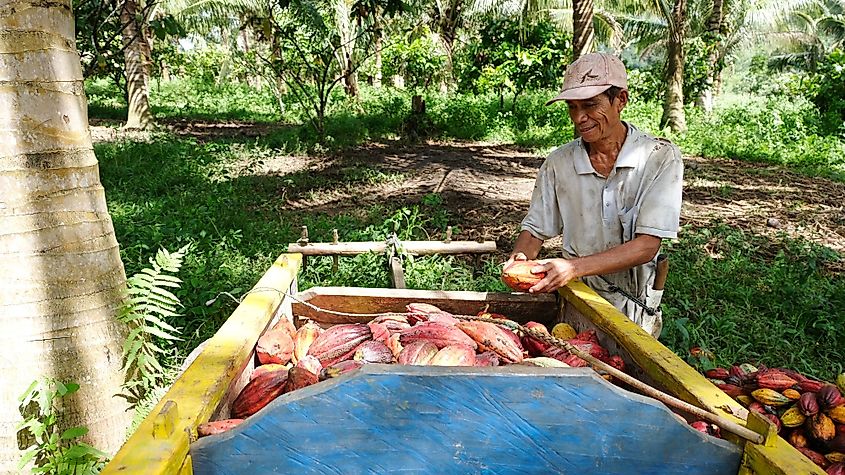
(379, 331)
(770, 397)
(821, 427)
(394, 323)
(758, 407)
(373, 351)
(310, 363)
(836, 469)
(514, 338)
(563, 331)
(835, 457)
(258, 393)
(487, 358)
(775, 420)
(617, 362)
(338, 343)
(828, 397)
(700, 426)
(775, 380)
(490, 337)
(299, 378)
(792, 417)
(518, 275)
(438, 334)
(749, 369)
(838, 442)
(745, 399)
(737, 381)
(810, 385)
(574, 361)
(419, 312)
(730, 389)
(266, 368)
(589, 336)
(454, 355)
(285, 324)
(217, 427)
(339, 368)
(792, 394)
(303, 339)
(797, 438)
(534, 346)
(274, 346)
(814, 456)
(840, 383)
(717, 373)
(544, 362)
(417, 353)
(737, 372)
(394, 345)
(590, 347)
(808, 405)
(792, 374)
(837, 414)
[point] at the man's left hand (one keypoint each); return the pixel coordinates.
(559, 272)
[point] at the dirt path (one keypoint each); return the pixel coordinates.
(486, 188)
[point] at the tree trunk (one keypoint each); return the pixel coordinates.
(59, 260)
(673, 104)
(136, 55)
(582, 28)
(714, 36)
(448, 21)
(378, 44)
(350, 77)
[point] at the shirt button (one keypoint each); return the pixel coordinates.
(607, 204)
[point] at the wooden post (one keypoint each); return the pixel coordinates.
(397, 273)
(335, 258)
(303, 241)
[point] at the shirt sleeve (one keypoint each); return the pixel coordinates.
(660, 209)
(543, 220)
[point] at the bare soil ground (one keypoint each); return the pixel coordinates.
(487, 187)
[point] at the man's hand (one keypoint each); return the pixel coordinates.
(518, 256)
(559, 272)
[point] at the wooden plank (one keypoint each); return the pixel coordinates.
(196, 394)
(670, 372)
(397, 273)
(514, 419)
(519, 306)
(379, 247)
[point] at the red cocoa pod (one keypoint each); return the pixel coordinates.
(266, 368)
(299, 378)
(717, 373)
(339, 342)
(814, 457)
(518, 275)
(285, 324)
(394, 323)
(258, 393)
(758, 407)
(373, 352)
(438, 334)
(303, 339)
(836, 469)
(217, 427)
(797, 438)
(810, 386)
(491, 337)
(791, 373)
(487, 358)
(417, 353)
(591, 348)
(617, 362)
(700, 426)
(575, 361)
(737, 371)
(534, 346)
(513, 336)
(731, 390)
(774, 380)
(808, 405)
(311, 363)
(454, 355)
(379, 331)
(829, 397)
(339, 368)
(275, 346)
(776, 421)
(588, 335)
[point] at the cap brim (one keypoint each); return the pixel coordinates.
(579, 93)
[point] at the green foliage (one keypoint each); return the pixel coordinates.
(745, 306)
(417, 60)
(48, 448)
(826, 90)
(148, 306)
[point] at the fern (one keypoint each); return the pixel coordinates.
(146, 309)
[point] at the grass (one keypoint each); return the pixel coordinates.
(758, 302)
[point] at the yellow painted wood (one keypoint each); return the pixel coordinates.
(667, 369)
(762, 425)
(199, 390)
(187, 466)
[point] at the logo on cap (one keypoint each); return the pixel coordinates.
(589, 74)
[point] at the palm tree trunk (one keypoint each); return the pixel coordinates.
(714, 35)
(136, 55)
(582, 28)
(59, 260)
(673, 104)
(448, 20)
(378, 45)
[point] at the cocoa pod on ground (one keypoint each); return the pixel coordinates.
(717, 373)
(808, 405)
(821, 427)
(797, 438)
(828, 397)
(775, 380)
(836, 469)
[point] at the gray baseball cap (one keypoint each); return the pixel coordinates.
(591, 75)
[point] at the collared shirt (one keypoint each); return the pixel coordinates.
(594, 213)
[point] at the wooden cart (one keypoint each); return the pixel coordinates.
(387, 418)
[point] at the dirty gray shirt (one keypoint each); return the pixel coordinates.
(593, 213)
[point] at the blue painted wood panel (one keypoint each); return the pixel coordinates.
(505, 420)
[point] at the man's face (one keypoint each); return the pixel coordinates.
(595, 118)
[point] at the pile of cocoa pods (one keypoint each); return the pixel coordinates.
(292, 359)
(808, 413)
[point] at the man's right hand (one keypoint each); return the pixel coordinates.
(518, 256)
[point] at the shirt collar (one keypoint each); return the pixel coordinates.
(625, 159)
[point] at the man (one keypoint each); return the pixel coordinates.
(613, 194)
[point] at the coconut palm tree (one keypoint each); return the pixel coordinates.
(59, 261)
(808, 32)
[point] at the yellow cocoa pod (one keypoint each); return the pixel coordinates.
(835, 457)
(821, 427)
(563, 331)
(792, 394)
(770, 397)
(837, 414)
(745, 400)
(792, 417)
